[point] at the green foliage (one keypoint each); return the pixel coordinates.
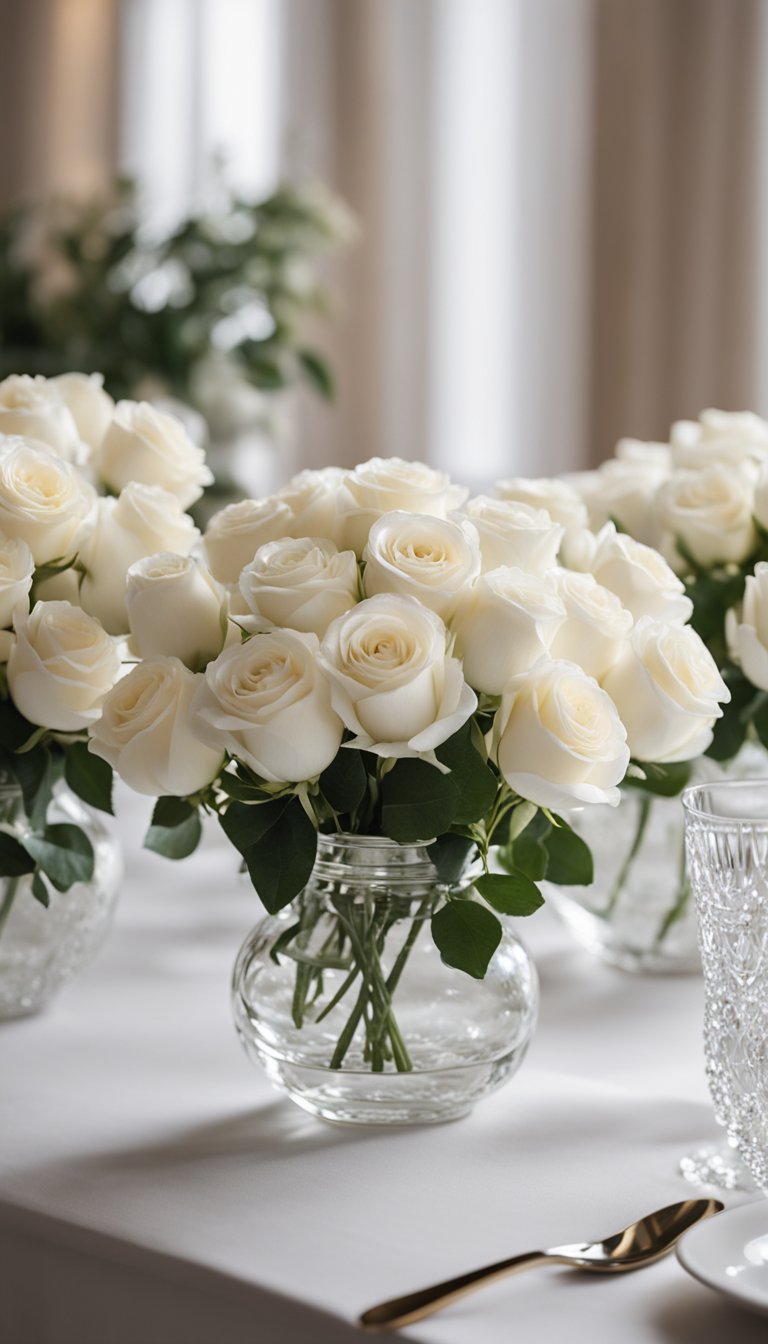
(63, 852)
(89, 776)
(466, 935)
(570, 858)
(344, 782)
(510, 894)
(662, 781)
(475, 780)
(450, 854)
(140, 309)
(175, 829)
(15, 860)
(418, 802)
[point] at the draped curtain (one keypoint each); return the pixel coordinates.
(562, 202)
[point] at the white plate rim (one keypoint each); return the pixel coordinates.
(741, 1220)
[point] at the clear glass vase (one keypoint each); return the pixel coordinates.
(638, 913)
(345, 1001)
(42, 949)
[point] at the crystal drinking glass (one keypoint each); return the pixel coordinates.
(726, 833)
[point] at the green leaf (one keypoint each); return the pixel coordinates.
(35, 773)
(40, 890)
(14, 859)
(15, 730)
(418, 802)
(175, 830)
(244, 824)
(526, 854)
(344, 782)
(760, 720)
(476, 782)
(730, 730)
(663, 781)
(89, 776)
(466, 935)
(450, 855)
(514, 894)
(63, 852)
(318, 373)
(281, 860)
(570, 858)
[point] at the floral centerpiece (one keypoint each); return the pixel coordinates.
(700, 501)
(366, 653)
(65, 548)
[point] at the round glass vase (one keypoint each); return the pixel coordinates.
(345, 1001)
(41, 949)
(638, 913)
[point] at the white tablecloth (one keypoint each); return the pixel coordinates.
(155, 1190)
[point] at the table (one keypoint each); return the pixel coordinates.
(155, 1190)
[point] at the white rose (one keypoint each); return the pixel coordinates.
(747, 629)
(301, 583)
(579, 548)
(61, 666)
(666, 687)
(724, 437)
(392, 681)
(35, 409)
(235, 533)
(175, 607)
(595, 626)
(387, 483)
(710, 513)
(268, 704)
(417, 555)
(558, 740)
(44, 501)
(625, 491)
(142, 521)
(505, 625)
(146, 731)
(514, 534)
(640, 577)
(89, 405)
(17, 567)
(314, 500)
(645, 453)
(143, 444)
(561, 500)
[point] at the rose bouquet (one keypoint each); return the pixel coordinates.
(369, 653)
(65, 549)
(699, 501)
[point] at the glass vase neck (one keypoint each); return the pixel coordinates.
(373, 859)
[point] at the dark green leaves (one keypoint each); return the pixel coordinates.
(570, 858)
(278, 843)
(345, 780)
(510, 894)
(15, 860)
(418, 802)
(89, 776)
(318, 372)
(175, 830)
(473, 777)
(450, 855)
(663, 781)
(63, 852)
(466, 935)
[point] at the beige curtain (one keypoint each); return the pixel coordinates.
(675, 226)
(58, 97)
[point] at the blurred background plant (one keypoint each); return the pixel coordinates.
(215, 313)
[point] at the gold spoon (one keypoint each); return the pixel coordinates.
(635, 1246)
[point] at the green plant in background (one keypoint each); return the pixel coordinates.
(213, 313)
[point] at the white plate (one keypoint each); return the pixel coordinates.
(730, 1253)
